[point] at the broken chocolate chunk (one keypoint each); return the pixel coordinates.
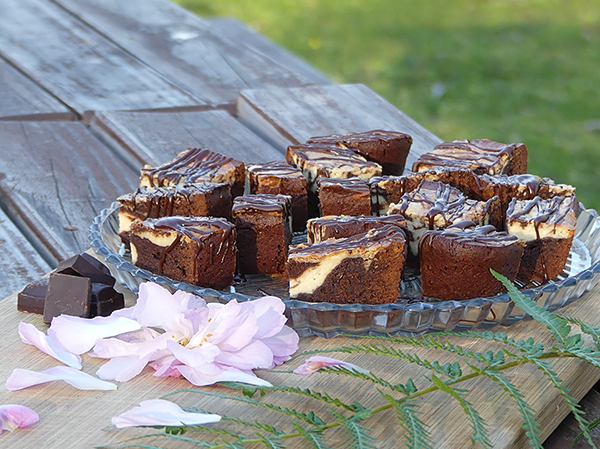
(105, 300)
(32, 298)
(86, 266)
(69, 295)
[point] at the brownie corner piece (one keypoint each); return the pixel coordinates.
(350, 196)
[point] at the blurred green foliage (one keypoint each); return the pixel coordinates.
(506, 70)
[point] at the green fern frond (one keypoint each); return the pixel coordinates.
(527, 413)
(407, 389)
(314, 437)
(593, 424)
(416, 435)
(590, 329)
(271, 443)
(477, 424)
(323, 397)
(309, 418)
(557, 326)
(361, 439)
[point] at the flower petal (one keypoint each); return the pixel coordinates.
(316, 362)
(201, 379)
(30, 335)
(269, 315)
(283, 345)
(256, 355)
(194, 357)
(122, 369)
(23, 378)
(158, 412)
(78, 335)
(15, 416)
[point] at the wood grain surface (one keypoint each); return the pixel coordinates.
(185, 48)
(24, 264)
(287, 116)
(56, 177)
(78, 65)
(23, 99)
(72, 418)
(154, 138)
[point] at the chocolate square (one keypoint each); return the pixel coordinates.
(105, 300)
(32, 298)
(69, 295)
(86, 266)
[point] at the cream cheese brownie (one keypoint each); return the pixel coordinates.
(350, 196)
(281, 178)
(264, 232)
(342, 226)
(547, 226)
(387, 148)
(197, 250)
(480, 155)
(366, 268)
(456, 262)
(190, 200)
(197, 165)
(435, 205)
(329, 161)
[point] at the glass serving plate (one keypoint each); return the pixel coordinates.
(411, 314)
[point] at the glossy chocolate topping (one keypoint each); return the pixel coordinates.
(202, 230)
(350, 139)
(194, 165)
(276, 168)
(373, 237)
(264, 202)
(465, 232)
(470, 153)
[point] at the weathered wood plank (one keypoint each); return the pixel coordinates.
(565, 434)
(287, 116)
(77, 64)
(153, 138)
(56, 178)
(20, 263)
(185, 48)
(237, 31)
(86, 415)
(22, 99)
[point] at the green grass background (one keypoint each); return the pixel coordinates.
(506, 70)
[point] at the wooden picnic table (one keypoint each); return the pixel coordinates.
(90, 91)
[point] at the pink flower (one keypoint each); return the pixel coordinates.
(316, 362)
(158, 412)
(180, 335)
(14, 416)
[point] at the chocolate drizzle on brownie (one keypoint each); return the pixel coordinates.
(263, 202)
(197, 229)
(195, 165)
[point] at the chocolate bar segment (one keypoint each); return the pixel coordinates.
(105, 300)
(32, 298)
(69, 295)
(88, 266)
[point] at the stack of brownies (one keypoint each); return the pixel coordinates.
(466, 207)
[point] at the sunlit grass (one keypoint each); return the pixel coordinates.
(509, 70)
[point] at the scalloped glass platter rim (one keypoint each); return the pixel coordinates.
(407, 316)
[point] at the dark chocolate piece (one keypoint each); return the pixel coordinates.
(105, 300)
(32, 298)
(86, 266)
(69, 295)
